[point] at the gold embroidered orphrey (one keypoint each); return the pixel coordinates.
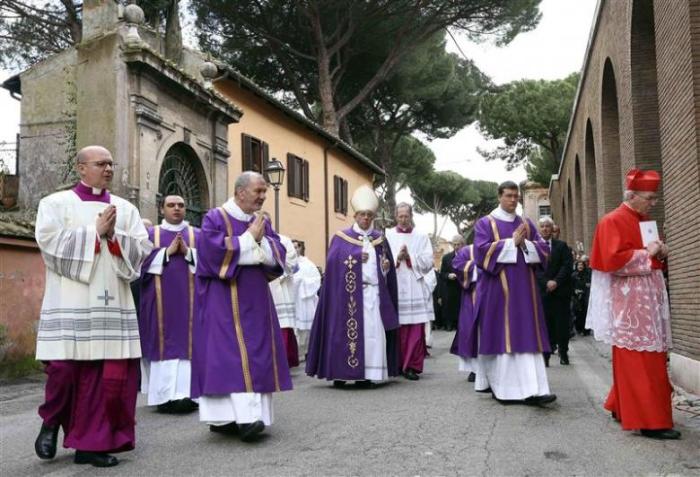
(351, 322)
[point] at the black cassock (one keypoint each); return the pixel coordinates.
(450, 293)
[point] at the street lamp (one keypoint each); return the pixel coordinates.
(275, 176)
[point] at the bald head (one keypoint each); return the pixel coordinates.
(91, 153)
(95, 166)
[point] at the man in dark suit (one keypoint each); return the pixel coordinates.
(555, 288)
(451, 291)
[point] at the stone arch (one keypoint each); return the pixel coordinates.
(645, 100)
(181, 173)
(578, 214)
(591, 186)
(610, 135)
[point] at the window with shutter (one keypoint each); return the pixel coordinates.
(340, 195)
(255, 154)
(297, 177)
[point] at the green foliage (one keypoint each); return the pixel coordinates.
(540, 166)
(31, 30)
(477, 198)
(525, 114)
(432, 92)
(19, 367)
(305, 49)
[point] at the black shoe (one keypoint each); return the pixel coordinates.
(670, 434)
(487, 390)
(249, 432)
(184, 406)
(339, 383)
(96, 459)
(166, 407)
(564, 358)
(230, 429)
(538, 400)
(410, 375)
(365, 384)
(546, 359)
(471, 378)
(45, 444)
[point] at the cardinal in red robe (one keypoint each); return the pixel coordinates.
(629, 309)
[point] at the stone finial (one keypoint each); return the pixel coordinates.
(133, 16)
(209, 71)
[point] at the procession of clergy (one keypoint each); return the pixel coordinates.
(227, 309)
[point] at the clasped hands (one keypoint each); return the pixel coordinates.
(658, 249)
(519, 235)
(178, 245)
(257, 227)
(106, 220)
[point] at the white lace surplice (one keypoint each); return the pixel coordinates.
(629, 308)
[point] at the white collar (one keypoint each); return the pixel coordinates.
(95, 190)
(500, 214)
(357, 229)
(165, 225)
(232, 208)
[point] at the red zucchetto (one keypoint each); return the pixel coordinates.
(640, 180)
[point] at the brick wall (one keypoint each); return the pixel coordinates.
(678, 63)
(639, 106)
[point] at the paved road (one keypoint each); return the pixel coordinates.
(437, 426)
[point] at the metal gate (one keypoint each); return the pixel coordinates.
(182, 174)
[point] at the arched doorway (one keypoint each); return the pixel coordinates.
(578, 203)
(610, 130)
(182, 174)
(591, 207)
(645, 101)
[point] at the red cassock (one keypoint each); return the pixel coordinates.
(640, 396)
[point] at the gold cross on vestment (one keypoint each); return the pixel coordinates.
(350, 262)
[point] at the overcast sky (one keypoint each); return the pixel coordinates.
(551, 51)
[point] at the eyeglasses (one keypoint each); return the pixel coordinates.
(101, 164)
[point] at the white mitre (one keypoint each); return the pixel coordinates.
(364, 199)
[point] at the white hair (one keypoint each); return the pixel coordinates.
(627, 195)
(244, 179)
(402, 205)
(458, 238)
(546, 220)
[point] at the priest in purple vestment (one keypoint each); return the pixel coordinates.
(354, 336)
(93, 244)
(512, 330)
(167, 310)
(464, 344)
(238, 356)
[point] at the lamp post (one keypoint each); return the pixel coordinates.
(275, 176)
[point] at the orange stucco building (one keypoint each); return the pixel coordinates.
(315, 161)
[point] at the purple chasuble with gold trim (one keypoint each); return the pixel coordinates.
(336, 342)
(465, 343)
(166, 312)
(509, 308)
(238, 344)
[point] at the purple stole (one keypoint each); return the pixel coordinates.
(167, 305)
